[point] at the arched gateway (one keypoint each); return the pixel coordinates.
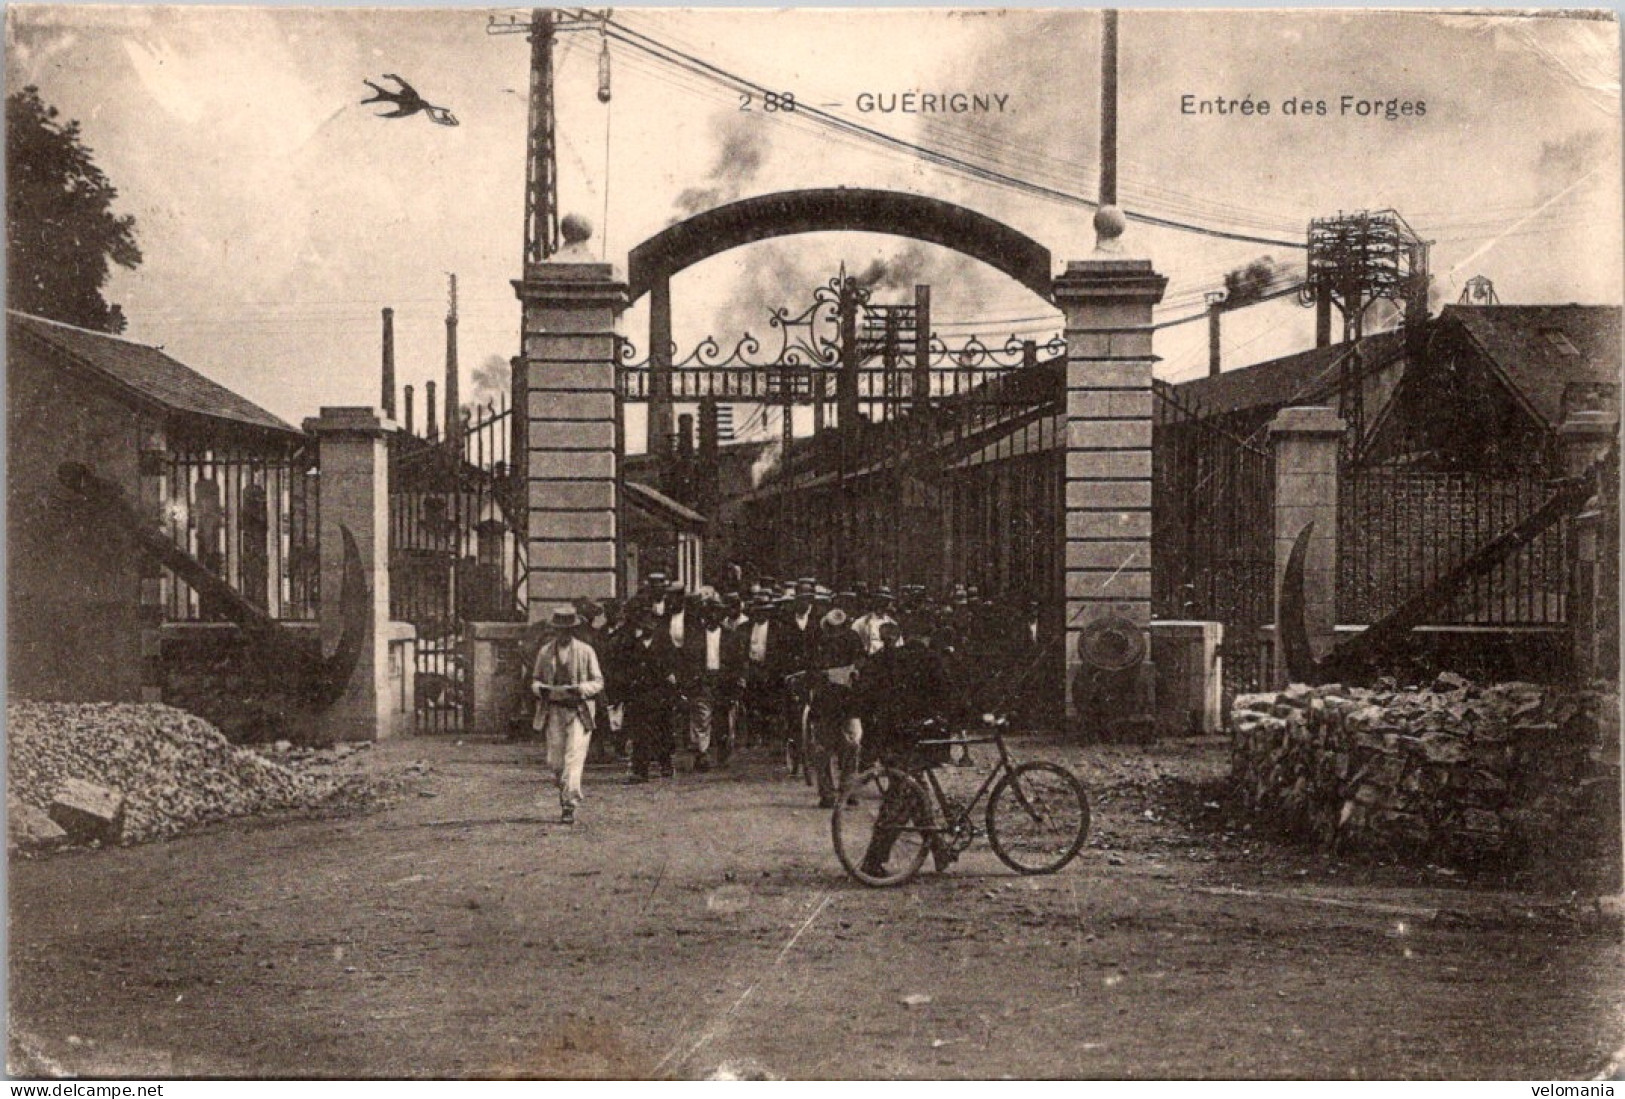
(573, 436)
(839, 209)
(652, 264)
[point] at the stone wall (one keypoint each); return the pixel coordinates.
(1514, 775)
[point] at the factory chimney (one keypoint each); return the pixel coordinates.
(454, 411)
(388, 401)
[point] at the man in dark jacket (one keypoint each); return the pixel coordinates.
(648, 692)
(710, 667)
(762, 705)
(837, 723)
(909, 685)
(793, 649)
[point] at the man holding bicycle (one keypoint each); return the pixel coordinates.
(905, 687)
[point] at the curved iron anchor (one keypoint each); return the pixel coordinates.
(318, 682)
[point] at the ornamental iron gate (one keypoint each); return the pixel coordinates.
(456, 552)
(1213, 526)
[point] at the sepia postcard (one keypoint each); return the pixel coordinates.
(814, 544)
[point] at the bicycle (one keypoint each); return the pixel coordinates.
(1037, 816)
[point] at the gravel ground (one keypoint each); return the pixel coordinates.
(701, 928)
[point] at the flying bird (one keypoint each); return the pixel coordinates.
(407, 102)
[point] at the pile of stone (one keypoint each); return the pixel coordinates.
(123, 773)
(1455, 773)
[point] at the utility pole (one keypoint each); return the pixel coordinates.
(1108, 109)
(541, 148)
(848, 301)
(541, 151)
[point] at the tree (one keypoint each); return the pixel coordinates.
(62, 235)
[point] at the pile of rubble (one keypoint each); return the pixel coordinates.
(1511, 774)
(123, 773)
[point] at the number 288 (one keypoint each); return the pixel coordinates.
(771, 101)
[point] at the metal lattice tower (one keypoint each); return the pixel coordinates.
(541, 155)
(541, 147)
(1479, 291)
(1354, 259)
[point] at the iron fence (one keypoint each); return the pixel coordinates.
(1400, 530)
(1213, 529)
(249, 516)
(456, 551)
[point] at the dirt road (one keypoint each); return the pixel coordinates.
(702, 927)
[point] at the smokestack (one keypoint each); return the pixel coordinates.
(454, 411)
(709, 479)
(410, 426)
(846, 402)
(1416, 299)
(432, 428)
(922, 347)
(685, 435)
(710, 428)
(389, 363)
(1214, 310)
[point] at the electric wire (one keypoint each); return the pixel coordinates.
(674, 56)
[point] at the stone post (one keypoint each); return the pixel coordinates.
(1306, 442)
(570, 313)
(496, 656)
(1584, 437)
(1593, 590)
(354, 455)
(151, 466)
(1107, 302)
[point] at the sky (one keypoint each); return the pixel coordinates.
(278, 215)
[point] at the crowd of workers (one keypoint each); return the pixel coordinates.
(824, 677)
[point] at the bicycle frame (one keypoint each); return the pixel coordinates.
(960, 822)
(1019, 797)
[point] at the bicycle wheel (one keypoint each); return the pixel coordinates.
(1038, 818)
(880, 827)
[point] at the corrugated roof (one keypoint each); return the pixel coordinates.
(1307, 376)
(1544, 349)
(145, 369)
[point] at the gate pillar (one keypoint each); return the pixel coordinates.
(353, 451)
(1306, 442)
(1107, 303)
(569, 361)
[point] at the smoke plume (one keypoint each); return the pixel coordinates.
(742, 149)
(491, 380)
(899, 273)
(1247, 284)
